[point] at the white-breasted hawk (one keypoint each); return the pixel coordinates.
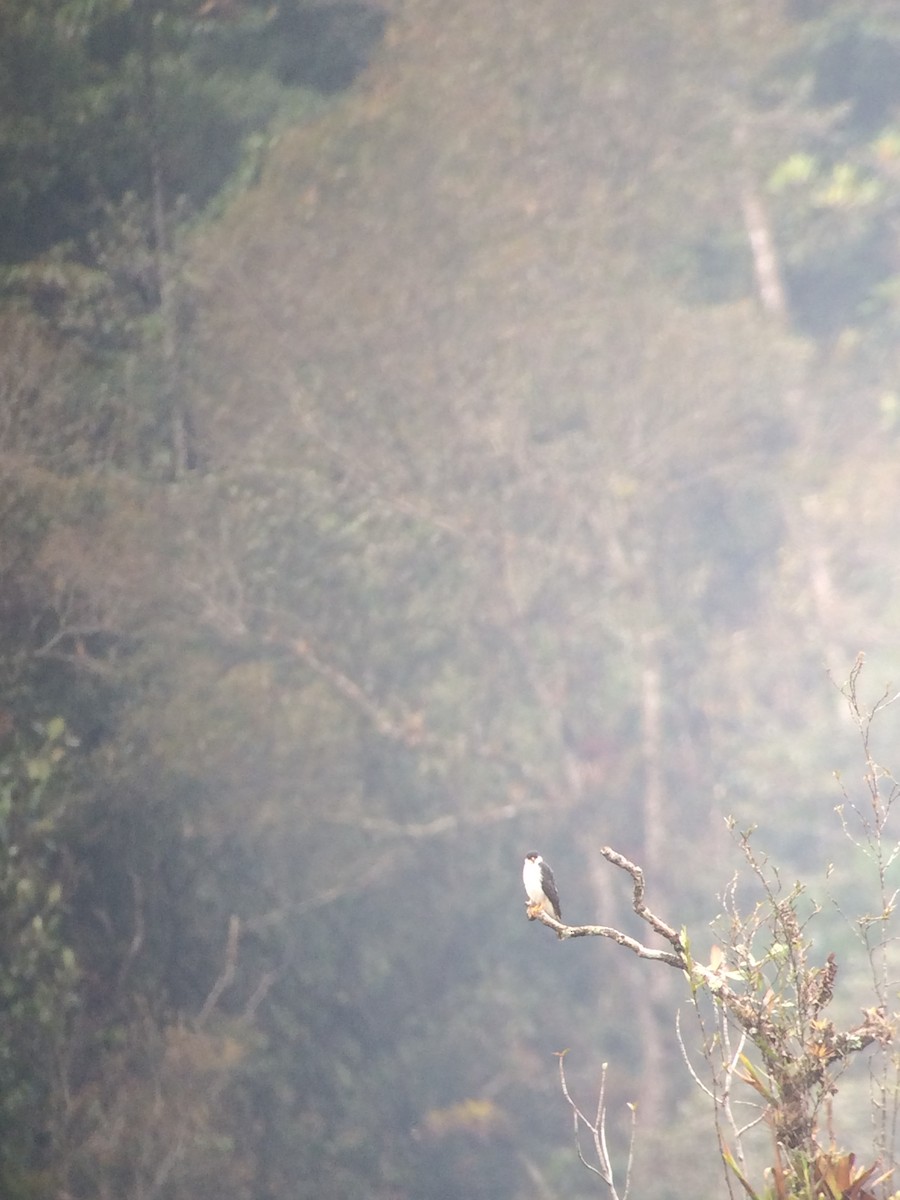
(540, 887)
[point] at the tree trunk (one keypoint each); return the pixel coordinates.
(651, 997)
(766, 267)
(171, 399)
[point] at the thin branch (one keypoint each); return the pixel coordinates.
(408, 728)
(362, 879)
(597, 1128)
(227, 976)
(675, 958)
(438, 826)
(260, 992)
(615, 935)
(579, 1118)
(166, 1167)
(402, 731)
(137, 937)
(367, 478)
(707, 1091)
(637, 875)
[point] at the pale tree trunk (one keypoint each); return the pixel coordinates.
(812, 536)
(650, 998)
(736, 25)
(758, 227)
(168, 311)
(769, 283)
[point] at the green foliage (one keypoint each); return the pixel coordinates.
(74, 133)
(39, 982)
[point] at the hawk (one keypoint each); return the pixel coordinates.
(540, 887)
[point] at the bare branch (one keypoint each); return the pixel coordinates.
(260, 992)
(704, 1088)
(408, 728)
(675, 958)
(357, 881)
(137, 937)
(615, 935)
(597, 1128)
(227, 976)
(438, 826)
(664, 930)
(402, 731)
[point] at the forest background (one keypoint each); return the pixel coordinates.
(429, 433)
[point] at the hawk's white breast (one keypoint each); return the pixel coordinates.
(531, 877)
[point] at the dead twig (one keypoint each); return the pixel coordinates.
(597, 1128)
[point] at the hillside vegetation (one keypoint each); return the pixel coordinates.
(430, 433)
